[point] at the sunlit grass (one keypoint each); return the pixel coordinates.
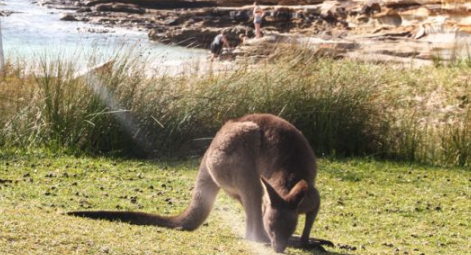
(368, 207)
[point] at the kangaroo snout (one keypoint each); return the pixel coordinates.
(279, 247)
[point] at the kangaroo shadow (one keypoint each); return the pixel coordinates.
(316, 246)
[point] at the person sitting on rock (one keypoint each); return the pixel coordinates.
(258, 14)
(218, 43)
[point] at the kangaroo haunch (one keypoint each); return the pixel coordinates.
(262, 161)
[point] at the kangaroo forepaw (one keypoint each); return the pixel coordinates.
(317, 244)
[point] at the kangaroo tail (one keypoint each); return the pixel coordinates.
(135, 218)
(195, 214)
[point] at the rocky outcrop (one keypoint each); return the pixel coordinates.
(68, 17)
(117, 7)
(389, 29)
(155, 4)
(198, 37)
(268, 2)
(5, 13)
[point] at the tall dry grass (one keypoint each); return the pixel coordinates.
(345, 108)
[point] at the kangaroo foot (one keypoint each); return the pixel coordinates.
(311, 243)
(314, 242)
(316, 247)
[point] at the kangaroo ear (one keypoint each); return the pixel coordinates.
(297, 193)
(275, 199)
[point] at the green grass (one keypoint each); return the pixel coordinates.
(368, 207)
(343, 107)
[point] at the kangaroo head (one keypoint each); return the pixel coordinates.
(280, 216)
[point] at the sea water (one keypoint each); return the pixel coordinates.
(32, 31)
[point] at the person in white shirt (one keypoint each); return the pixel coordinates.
(258, 14)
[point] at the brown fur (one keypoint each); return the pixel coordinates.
(262, 161)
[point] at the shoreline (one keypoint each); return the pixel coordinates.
(32, 34)
(381, 31)
(370, 31)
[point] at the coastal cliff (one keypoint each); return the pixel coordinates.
(386, 30)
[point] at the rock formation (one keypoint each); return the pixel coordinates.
(392, 30)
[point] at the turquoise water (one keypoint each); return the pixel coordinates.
(34, 30)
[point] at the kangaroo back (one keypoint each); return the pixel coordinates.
(285, 156)
(195, 214)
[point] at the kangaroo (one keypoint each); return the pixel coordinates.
(266, 164)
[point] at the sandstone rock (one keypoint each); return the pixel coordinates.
(5, 13)
(240, 15)
(268, 2)
(389, 17)
(68, 17)
(128, 8)
(410, 2)
(84, 9)
(44, 2)
(389, 29)
(157, 4)
(371, 7)
(189, 37)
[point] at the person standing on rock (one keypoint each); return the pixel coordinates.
(218, 43)
(258, 14)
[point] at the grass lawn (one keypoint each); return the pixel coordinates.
(368, 207)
